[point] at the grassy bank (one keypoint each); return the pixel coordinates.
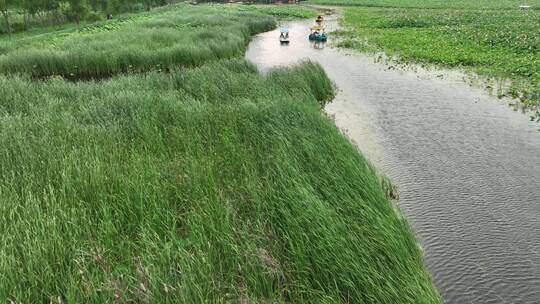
(205, 184)
(502, 44)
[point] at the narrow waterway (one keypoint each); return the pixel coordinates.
(467, 167)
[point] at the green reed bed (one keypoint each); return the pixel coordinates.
(183, 36)
(212, 184)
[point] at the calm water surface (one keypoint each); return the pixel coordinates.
(468, 168)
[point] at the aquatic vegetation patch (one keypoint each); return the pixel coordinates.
(502, 44)
(431, 4)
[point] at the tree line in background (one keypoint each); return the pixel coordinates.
(21, 15)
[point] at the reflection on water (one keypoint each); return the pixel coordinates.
(467, 167)
(318, 45)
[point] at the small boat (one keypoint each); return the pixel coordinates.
(284, 35)
(318, 34)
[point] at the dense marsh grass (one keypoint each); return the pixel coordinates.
(213, 184)
(501, 44)
(183, 36)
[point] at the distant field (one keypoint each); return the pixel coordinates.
(179, 184)
(496, 43)
(459, 4)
